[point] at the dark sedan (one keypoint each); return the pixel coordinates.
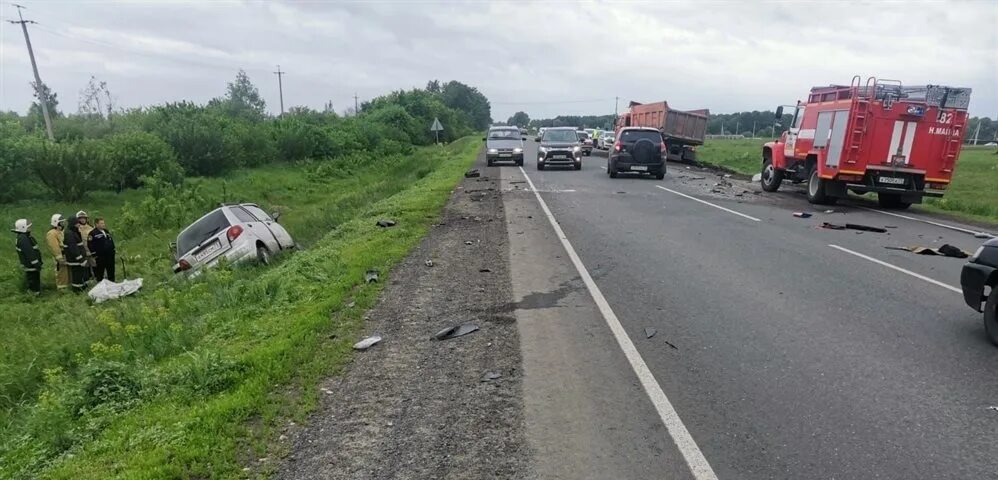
(559, 146)
(980, 273)
(504, 144)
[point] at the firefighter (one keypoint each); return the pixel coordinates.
(53, 239)
(101, 246)
(74, 250)
(83, 221)
(30, 256)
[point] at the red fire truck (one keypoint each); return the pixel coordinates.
(899, 141)
(681, 131)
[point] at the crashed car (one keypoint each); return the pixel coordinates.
(981, 272)
(236, 233)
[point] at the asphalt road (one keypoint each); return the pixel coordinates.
(783, 349)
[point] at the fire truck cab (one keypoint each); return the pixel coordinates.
(899, 142)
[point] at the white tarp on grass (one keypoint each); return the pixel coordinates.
(108, 290)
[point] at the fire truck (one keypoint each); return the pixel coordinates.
(900, 142)
(681, 130)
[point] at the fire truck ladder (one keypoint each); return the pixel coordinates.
(949, 151)
(861, 99)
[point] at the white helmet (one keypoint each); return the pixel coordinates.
(82, 214)
(57, 220)
(22, 226)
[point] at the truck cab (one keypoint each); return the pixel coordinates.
(899, 142)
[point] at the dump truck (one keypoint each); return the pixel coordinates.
(900, 142)
(682, 131)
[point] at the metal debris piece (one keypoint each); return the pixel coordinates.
(477, 196)
(428, 263)
(983, 235)
(468, 242)
(472, 173)
(671, 345)
(484, 270)
(890, 226)
(865, 228)
(650, 332)
(727, 175)
(371, 276)
(367, 343)
(383, 223)
(757, 177)
(832, 226)
(621, 192)
(945, 250)
(489, 376)
(456, 331)
(993, 407)
(829, 211)
(802, 215)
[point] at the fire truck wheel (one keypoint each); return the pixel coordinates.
(991, 315)
(887, 200)
(816, 190)
(771, 177)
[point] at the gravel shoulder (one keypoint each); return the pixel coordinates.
(414, 407)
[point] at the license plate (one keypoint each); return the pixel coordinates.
(559, 156)
(207, 251)
(505, 154)
(892, 180)
(639, 168)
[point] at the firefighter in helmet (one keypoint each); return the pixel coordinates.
(75, 252)
(30, 256)
(53, 239)
(83, 222)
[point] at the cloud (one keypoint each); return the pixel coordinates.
(546, 58)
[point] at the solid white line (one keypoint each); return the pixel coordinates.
(708, 203)
(902, 270)
(699, 467)
(930, 222)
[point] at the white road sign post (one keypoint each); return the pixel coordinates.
(436, 128)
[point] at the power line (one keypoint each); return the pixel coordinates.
(39, 86)
(280, 86)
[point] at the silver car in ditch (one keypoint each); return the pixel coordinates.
(237, 233)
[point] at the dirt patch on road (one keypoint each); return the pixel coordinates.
(413, 407)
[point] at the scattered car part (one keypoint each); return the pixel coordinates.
(428, 263)
(472, 173)
(650, 332)
(456, 331)
(367, 343)
(384, 223)
(371, 276)
(489, 376)
(865, 228)
(802, 215)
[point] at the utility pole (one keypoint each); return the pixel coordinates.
(753, 128)
(737, 122)
(977, 131)
(616, 101)
(280, 86)
(356, 109)
(42, 99)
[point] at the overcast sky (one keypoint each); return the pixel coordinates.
(545, 58)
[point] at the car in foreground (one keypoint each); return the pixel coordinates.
(637, 150)
(559, 147)
(605, 141)
(236, 233)
(586, 142)
(981, 272)
(504, 144)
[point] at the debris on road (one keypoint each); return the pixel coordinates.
(484, 270)
(802, 214)
(384, 223)
(984, 235)
(832, 226)
(890, 226)
(650, 332)
(371, 276)
(428, 263)
(367, 343)
(829, 211)
(865, 228)
(946, 250)
(757, 177)
(727, 175)
(472, 173)
(468, 242)
(489, 376)
(671, 345)
(993, 407)
(456, 331)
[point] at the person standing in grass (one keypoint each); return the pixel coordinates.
(53, 239)
(101, 246)
(30, 256)
(74, 250)
(83, 222)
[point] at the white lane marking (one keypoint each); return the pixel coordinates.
(930, 222)
(708, 203)
(902, 270)
(699, 467)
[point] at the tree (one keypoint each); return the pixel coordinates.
(242, 99)
(520, 119)
(96, 99)
(469, 100)
(35, 111)
(433, 86)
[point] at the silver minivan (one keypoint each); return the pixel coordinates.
(238, 233)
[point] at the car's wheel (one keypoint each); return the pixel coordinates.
(771, 177)
(991, 315)
(660, 175)
(892, 201)
(488, 162)
(611, 171)
(816, 189)
(540, 165)
(262, 255)
(519, 163)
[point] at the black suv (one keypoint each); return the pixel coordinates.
(504, 144)
(637, 150)
(980, 272)
(559, 146)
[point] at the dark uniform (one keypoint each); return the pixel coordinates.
(101, 246)
(31, 260)
(74, 250)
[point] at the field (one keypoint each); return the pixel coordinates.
(973, 195)
(190, 378)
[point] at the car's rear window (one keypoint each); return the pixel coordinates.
(200, 231)
(631, 136)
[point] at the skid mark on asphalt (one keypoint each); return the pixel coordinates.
(687, 446)
(899, 269)
(708, 203)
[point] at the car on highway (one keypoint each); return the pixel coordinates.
(236, 233)
(605, 141)
(637, 150)
(981, 272)
(559, 146)
(587, 143)
(504, 144)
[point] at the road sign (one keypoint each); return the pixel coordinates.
(436, 125)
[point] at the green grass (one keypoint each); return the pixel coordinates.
(973, 194)
(191, 379)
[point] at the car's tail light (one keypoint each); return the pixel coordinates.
(184, 265)
(234, 232)
(616, 146)
(661, 147)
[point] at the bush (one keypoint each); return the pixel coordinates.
(166, 206)
(70, 170)
(135, 155)
(296, 139)
(196, 136)
(17, 179)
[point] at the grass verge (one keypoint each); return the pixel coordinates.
(190, 379)
(973, 194)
